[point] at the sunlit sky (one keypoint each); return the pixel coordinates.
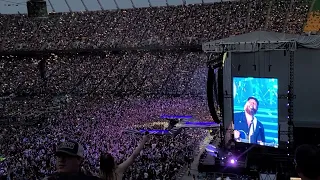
(19, 6)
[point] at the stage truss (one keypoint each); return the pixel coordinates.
(221, 47)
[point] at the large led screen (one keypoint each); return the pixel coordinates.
(255, 110)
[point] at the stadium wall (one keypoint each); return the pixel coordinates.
(306, 72)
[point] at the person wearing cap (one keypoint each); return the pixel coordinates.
(307, 162)
(69, 155)
(247, 128)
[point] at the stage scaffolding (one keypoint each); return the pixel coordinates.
(218, 47)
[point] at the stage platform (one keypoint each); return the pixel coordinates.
(195, 124)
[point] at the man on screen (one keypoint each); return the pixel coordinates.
(247, 128)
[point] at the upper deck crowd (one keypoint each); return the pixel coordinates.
(160, 26)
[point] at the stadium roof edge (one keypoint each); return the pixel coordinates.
(19, 6)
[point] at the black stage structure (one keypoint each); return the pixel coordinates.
(266, 54)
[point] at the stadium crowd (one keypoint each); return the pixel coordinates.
(160, 26)
(92, 108)
(30, 154)
(94, 98)
(29, 150)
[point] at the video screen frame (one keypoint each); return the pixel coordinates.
(256, 98)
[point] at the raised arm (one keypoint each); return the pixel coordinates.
(123, 166)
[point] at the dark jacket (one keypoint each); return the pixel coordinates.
(240, 124)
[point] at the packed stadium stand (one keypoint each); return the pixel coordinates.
(139, 27)
(142, 70)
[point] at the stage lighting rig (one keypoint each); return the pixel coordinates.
(172, 123)
(228, 159)
(215, 60)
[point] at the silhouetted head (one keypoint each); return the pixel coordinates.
(107, 164)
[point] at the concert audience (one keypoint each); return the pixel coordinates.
(93, 99)
(90, 120)
(31, 155)
(158, 26)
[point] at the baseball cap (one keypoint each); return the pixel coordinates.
(70, 148)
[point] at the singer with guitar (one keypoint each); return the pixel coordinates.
(247, 128)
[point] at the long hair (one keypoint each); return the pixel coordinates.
(107, 166)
